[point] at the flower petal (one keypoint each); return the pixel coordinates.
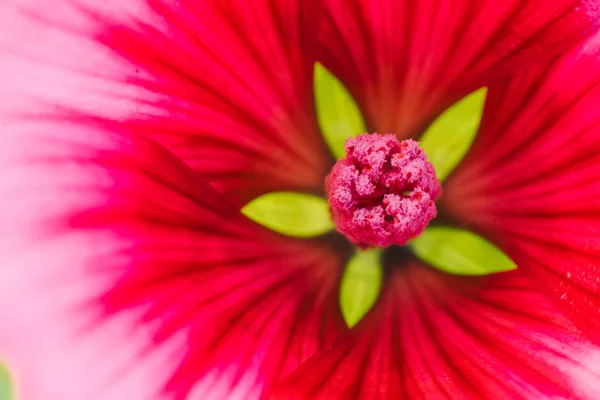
(224, 85)
(438, 336)
(136, 280)
(530, 182)
(405, 61)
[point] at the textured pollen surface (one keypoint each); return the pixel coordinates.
(383, 192)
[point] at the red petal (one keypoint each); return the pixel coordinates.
(437, 336)
(531, 180)
(224, 85)
(135, 280)
(406, 61)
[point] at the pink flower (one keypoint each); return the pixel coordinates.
(132, 133)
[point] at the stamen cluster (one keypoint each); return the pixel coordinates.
(383, 192)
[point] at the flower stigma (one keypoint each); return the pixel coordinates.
(383, 192)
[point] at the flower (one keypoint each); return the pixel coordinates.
(134, 133)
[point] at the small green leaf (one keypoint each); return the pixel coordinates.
(339, 116)
(293, 214)
(450, 136)
(460, 252)
(361, 285)
(6, 391)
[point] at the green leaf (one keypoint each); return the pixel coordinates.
(293, 214)
(361, 285)
(450, 136)
(460, 252)
(6, 391)
(339, 116)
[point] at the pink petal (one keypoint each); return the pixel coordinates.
(126, 277)
(437, 336)
(531, 180)
(224, 85)
(406, 61)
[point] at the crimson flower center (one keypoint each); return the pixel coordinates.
(383, 191)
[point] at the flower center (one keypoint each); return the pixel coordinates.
(383, 192)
